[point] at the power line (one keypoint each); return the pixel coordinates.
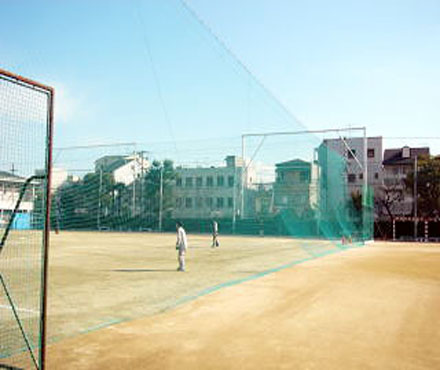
(411, 137)
(156, 77)
(95, 146)
(192, 12)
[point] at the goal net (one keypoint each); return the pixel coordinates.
(25, 125)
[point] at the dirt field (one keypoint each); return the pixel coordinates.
(116, 302)
(99, 279)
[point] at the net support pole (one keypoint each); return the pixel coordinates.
(365, 213)
(234, 199)
(243, 175)
(415, 198)
(160, 198)
(45, 270)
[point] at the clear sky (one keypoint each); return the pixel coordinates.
(148, 71)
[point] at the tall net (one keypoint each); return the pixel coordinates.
(303, 185)
(24, 126)
(162, 142)
(308, 184)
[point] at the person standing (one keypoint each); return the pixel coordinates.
(215, 242)
(181, 245)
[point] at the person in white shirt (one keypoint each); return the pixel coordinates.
(181, 245)
(215, 242)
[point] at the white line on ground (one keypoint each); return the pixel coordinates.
(18, 309)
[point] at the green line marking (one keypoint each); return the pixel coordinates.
(102, 325)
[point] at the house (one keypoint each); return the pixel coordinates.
(58, 178)
(10, 188)
(296, 187)
(125, 169)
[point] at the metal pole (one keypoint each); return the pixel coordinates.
(243, 169)
(98, 218)
(45, 272)
(394, 229)
(234, 201)
(306, 132)
(415, 198)
(142, 201)
(134, 187)
(160, 198)
(365, 212)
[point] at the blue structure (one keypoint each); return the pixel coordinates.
(22, 221)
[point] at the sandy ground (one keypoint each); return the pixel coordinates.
(99, 279)
(376, 307)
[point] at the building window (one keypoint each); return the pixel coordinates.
(351, 153)
(178, 202)
(220, 181)
(189, 182)
(199, 202)
(351, 177)
(280, 177)
(370, 153)
(188, 202)
(199, 182)
(376, 175)
(230, 203)
(303, 176)
(361, 176)
(179, 182)
(209, 181)
(220, 203)
(209, 203)
(230, 181)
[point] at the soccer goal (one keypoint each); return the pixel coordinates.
(310, 184)
(26, 121)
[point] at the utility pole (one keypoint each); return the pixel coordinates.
(160, 197)
(415, 198)
(142, 205)
(133, 167)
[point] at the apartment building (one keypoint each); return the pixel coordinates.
(207, 192)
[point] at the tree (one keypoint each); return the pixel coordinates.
(428, 186)
(389, 196)
(160, 173)
(83, 204)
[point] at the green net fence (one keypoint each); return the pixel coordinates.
(24, 115)
(303, 185)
